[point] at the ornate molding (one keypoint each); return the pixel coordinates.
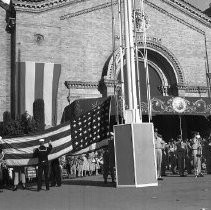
(165, 90)
(36, 6)
(190, 10)
(84, 11)
(176, 18)
(193, 89)
(179, 105)
(81, 85)
(157, 47)
(170, 56)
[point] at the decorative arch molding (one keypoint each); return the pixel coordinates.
(156, 47)
(158, 70)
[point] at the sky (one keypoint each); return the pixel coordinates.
(201, 4)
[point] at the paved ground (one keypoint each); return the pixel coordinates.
(89, 193)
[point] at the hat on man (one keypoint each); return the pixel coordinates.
(198, 136)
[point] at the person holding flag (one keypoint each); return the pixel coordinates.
(42, 154)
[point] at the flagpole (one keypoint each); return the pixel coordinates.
(137, 59)
(146, 61)
(132, 54)
(132, 114)
(180, 125)
(121, 58)
(114, 64)
(127, 52)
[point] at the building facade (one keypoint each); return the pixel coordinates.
(77, 34)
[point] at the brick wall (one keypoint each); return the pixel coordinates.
(83, 43)
(186, 43)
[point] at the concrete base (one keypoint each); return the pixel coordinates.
(135, 155)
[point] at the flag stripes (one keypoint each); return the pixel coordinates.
(34, 161)
(29, 87)
(47, 92)
(30, 153)
(33, 143)
(37, 81)
(56, 77)
(19, 151)
(21, 88)
(48, 135)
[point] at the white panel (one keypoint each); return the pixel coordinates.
(29, 86)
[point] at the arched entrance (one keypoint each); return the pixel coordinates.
(164, 69)
(165, 74)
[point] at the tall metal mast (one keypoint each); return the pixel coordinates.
(114, 63)
(132, 113)
(121, 57)
(135, 15)
(144, 27)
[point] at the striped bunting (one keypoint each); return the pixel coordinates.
(19, 151)
(37, 81)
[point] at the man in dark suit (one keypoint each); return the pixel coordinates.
(109, 160)
(181, 154)
(42, 154)
(56, 173)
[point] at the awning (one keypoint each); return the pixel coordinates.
(166, 105)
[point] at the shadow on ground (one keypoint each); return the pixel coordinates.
(81, 182)
(87, 183)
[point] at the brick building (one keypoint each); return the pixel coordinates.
(78, 35)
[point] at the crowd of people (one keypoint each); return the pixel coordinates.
(177, 156)
(183, 156)
(84, 165)
(94, 163)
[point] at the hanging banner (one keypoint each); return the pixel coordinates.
(178, 105)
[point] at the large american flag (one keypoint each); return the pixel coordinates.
(84, 133)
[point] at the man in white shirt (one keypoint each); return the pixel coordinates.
(159, 146)
(197, 154)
